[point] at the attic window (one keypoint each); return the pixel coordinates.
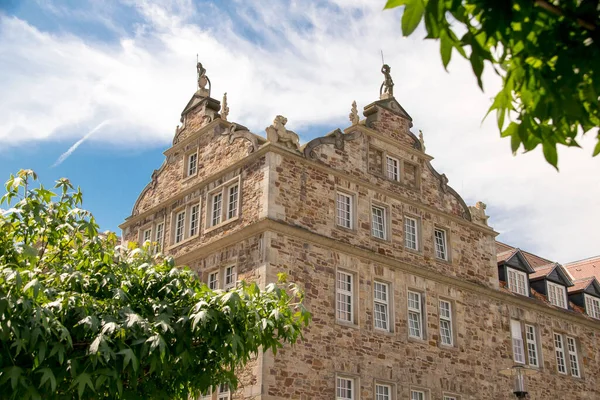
(517, 281)
(592, 306)
(557, 295)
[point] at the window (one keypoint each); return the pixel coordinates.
(179, 226)
(517, 281)
(344, 389)
(417, 395)
(517, 342)
(194, 216)
(160, 229)
(192, 164)
(232, 204)
(147, 235)
(344, 297)
(381, 305)
(557, 295)
(411, 239)
(223, 392)
(441, 250)
(213, 280)
(592, 306)
(230, 278)
(532, 351)
(217, 200)
(415, 318)
(446, 323)
(448, 397)
(207, 395)
(560, 354)
(393, 168)
(573, 360)
(378, 228)
(383, 392)
(344, 210)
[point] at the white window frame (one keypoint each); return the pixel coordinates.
(412, 242)
(517, 283)
(574, 367)
(344, 296)
(159, 232)
(229, 277)
(344, 210)
(383, 391)
(223, 205)
(557, 294)
(378, 222)
(440, 243)
(415, 314)
(207, 395)
(447, 338)
(223, 392)
(392, 168)
(381, 306)
(191, 164)
(417, 394)
(343, 385)
(518, 346)
(212, 281)
(559, 351)
(533, 354)
(194, 227)
(179, 233)
(147, 235)
(592, 306)
(233, 196)
(450, 397)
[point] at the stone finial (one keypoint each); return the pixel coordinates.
(202, 79)
(277, 133)
(386, 90)
(354, 118)
(225, 109)
(478, 213)
(422, 140)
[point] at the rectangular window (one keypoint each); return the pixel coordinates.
(415, 315)
(441, 250)
(417, 395)
(345, 389)
(213, 280)
(344, 210)
(383, 392)
(230, 278)
(232, 204)
(147, 236)
(446, 323)
(160, 228)
(217, 207)
(192, 164)
(447, 397)
(517, 281)
(207, 395)
(381, 305)
(411, 239)
(592, 306)
(557, 295)
(573, 360)
(378, 228)
(532, 351)
(179, 226)
(344, 297)
(194, 217)
(517, 342)
(393, 169)
(223, 393)
(560, 354)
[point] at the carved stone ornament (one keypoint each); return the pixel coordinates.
(236, 132)
(422, 140)
(154, 179)
(354, 118)
(225, 109)
(444, 183)
(337, 138)
(202, 79)
(387, 87)
(478, 213)
(277, 133)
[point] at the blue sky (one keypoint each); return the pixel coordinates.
(124, 70)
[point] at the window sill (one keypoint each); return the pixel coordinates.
(417, 252)
(189, 177)
(184, 241)
(347, 324)
(383, 241)
(448, 347)
(344, 229)
(385, 332)
(222, 224)
(442, 261)
(417, 340)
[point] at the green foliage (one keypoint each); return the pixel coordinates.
(81, 317)
(547, 53)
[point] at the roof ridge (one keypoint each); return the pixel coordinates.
(572, 263)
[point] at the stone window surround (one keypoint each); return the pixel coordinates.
(186, 158)
(419, 227)
(450, 396)
(152, 227)
(353, 209)
(224, 204)
(355, 383)
(525, 343)
(423, 316)
(186, 226)
(390, 304)
(447, 231)
(426, 392)
(392, 385)
(401, 170)
(355, 304)
(573, 354)
(566, 354)
(558, 288)
(387, 226)
(453, 335)
(562, 351)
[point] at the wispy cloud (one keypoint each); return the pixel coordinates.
(78, 143)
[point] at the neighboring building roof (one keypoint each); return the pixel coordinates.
(584, 268)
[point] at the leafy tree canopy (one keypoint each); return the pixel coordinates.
(81, 317)
(547, 53)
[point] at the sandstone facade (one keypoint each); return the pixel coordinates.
(284, 216)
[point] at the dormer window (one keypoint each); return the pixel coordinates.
(517, 282)
(557, 295)
(592, 306)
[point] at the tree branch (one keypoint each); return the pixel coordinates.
(558, 11)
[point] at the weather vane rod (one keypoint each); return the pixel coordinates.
(383, 62)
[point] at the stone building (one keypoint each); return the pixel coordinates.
(411, 295)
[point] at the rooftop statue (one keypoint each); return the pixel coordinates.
(277, 133)
(202, 78)
(387, 87)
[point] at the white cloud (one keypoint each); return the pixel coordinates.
(307, 61)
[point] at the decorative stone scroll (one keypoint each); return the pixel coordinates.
(236, 131)
(478, 213)
(336, 138)
(277, 133)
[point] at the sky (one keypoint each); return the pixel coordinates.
(93, 90)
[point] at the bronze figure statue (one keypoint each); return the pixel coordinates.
(387, 87)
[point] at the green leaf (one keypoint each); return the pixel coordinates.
(81, 382)
(596, 149)
(47, 374)
(13, 373)
(445, 49)
(129, 356)
(395, 3)
(413, 13)
(550, 153)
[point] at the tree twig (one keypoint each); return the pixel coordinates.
(558, 11)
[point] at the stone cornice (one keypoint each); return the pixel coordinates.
(324, 241)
